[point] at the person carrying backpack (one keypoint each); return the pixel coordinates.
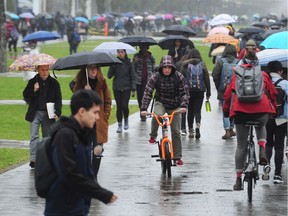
(258, 110)
(222, 74)
(12, 36)
(73, 40)
(197, 79)
(277, 127)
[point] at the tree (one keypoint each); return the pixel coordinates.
(3, 59)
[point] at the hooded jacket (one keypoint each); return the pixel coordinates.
(138, 66)
(75, 185)
(171, 90)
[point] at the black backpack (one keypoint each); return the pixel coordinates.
(281, 98)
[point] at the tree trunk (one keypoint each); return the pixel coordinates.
(3, 60)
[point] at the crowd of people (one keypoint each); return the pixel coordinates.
(180, 83)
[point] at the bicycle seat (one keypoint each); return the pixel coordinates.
(252, 123)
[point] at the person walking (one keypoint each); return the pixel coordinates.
(242, 112)
(75, 186)
(171, 95)
(91, 78)
(144, 64)
(38, 92)
(277, 127)
(196, 92)
(123, 85)
(12, 35)
(177, 51)
(222, 74)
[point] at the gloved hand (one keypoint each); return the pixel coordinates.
(226, 114)
(133, 93)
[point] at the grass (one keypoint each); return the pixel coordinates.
(13, 124)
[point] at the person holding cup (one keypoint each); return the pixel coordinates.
(40, 90)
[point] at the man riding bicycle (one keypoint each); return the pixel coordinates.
(172, 94)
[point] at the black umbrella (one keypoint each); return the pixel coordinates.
(179, 30)
(169, 41)
(260, 24)
(78, 60)
(251, 30)
(138, 40)
(43, 14)
(267, 33)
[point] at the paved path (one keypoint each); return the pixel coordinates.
(203, 186)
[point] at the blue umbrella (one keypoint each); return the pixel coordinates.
(41, 36)
(277, 41)
(12, 15)
(82, 19)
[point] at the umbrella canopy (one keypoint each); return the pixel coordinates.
(112, 47)
(150, 17)
(78, 60)
(278, 40)
(41, 36)
(167, 16)
(12, 15)
(179, 30)
(30, 62)
(82, 19)
(251, 30)
(269, 32)
(138, 17)
(26, 15)
(138, 40)
(260, 24)
(219, 38)
(45, 15)
(169, 41)
(219, 30)
(268, 55)
(221, 19)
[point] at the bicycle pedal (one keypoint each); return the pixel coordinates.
(153, 156)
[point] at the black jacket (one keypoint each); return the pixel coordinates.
(75, 185)
(32, 98)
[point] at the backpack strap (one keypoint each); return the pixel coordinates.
(278, 81)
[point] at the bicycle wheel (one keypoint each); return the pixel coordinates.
(250, 186)
(168, 159)
(163, 165)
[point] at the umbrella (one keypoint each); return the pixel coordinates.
(138, 40)
(82, 19)
(138, 17)
(260, 24)
(179, 30)
(219, 38)
(78, 60)
(95, 17)
(167, 16)
(150, 17)
(41, 36)
(44, 14)
(268, 55)
(251, 30)
(269, 32)
(221, 19)
(112, 47)
(26, 15)
(12, 15)
(219, 30)
(169, 41)
(29, 62)
(278, 40)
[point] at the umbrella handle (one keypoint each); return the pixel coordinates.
(87, 80)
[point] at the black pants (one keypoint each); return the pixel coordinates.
(275, 138)
(12, 43)
(122, 103)
(194, 108)
(140, 92)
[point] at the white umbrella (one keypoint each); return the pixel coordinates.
(221, 19)
(268, 55)
(112, 47)
(138, 17)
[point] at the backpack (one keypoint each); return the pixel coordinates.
(249, 84)
(195, 77)
(76, 37)
(70, 23)
(226, 73)
(281, 98)
(14, 34)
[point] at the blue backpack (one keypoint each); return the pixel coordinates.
(76, 37)
(226, 73)
(195, 77)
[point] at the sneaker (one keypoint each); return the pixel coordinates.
(152, 140)
(183, 132)
(197, 136)
(143, 118)
(238, 185)
(262, 156)
(191, 133)
(278, 179)
(266, 171)
(179, 162)
(32, 164)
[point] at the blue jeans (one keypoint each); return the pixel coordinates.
(227, 122)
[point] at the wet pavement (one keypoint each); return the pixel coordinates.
(203, 186)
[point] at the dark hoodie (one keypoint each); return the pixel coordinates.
(71, 155)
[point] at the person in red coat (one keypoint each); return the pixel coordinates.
(242, 112)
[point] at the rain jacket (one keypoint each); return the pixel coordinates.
(138, 66)
(171, 90)
(124, 75)
(53, 94)
(75, 185)
(266, 105)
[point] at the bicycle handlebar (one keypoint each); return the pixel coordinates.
(171, 117)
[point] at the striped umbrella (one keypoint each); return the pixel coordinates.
(268, 55)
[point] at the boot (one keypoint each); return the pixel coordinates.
(191, 133)
(227, 135)
(238, 185)
(232, 133)
(119, 129)
(198, 135)
(126, 125)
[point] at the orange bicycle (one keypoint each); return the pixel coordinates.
(165, 146)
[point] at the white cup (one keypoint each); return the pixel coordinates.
(50, 110)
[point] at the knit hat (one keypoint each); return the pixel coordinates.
(274, 66)
(250, 42)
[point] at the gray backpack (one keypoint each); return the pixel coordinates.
(249, 84)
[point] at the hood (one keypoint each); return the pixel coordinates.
(229, 50)
(167, 60)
